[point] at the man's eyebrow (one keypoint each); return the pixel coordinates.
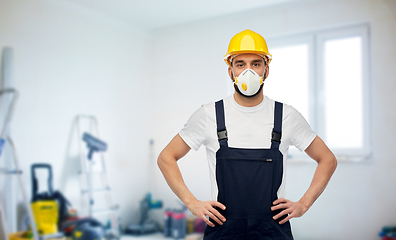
(258, 60)
(239, 61)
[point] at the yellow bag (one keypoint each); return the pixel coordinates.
(44, 206)
(46, 216)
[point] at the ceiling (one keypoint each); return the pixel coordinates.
(153, 14)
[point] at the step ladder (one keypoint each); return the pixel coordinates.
(93, 166)
(5, 139)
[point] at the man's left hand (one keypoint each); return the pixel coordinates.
(294, 209)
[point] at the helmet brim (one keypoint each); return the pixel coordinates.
(227, 57)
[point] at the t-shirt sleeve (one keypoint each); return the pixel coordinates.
(194, 131)
(301, 133)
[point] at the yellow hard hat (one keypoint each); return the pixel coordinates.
(247, 41)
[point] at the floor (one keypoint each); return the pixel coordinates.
(157, 236)
(146, 237)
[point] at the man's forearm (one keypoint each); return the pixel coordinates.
(167, 162)
(327, 164)
(173, 177)
(323, 173)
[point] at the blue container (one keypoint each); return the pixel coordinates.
(179, 225)
(168, 223)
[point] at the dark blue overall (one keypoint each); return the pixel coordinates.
(248, 181)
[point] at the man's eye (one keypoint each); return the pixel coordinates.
(240, 65)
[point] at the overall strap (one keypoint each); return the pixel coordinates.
(220, 121)
(277, 131)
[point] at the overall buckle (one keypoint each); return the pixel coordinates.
(222, 135)
(276, 136)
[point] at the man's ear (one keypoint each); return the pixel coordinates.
(266, 72)
(230, 74)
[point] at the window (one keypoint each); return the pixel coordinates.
(295, 77)
(324, 75)
(343, 91)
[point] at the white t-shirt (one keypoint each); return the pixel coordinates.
(247, 127)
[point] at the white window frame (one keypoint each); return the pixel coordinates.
(316, 41)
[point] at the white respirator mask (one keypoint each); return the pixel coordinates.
(249, 82)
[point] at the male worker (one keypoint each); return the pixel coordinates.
(247, 137)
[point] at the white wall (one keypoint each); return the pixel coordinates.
(142, 85)
(360, 198)
(69, 61)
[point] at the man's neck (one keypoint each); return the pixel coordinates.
(248, 101)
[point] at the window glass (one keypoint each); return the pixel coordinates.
(343, 93)
(288, 77)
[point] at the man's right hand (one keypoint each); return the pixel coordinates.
(202, 209)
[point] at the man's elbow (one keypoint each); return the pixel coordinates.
(164, 159)
(160, 160)
(333, 163)
(328, 160)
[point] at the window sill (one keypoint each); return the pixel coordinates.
(340, 159)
